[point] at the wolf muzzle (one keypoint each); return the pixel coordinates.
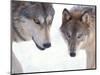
(47, 45)
(72, 54)
(72, 50)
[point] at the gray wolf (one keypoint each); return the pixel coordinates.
(78, 31)
(32, 21)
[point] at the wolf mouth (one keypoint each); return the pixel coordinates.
(37, 45)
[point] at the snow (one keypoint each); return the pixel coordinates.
(54, 58)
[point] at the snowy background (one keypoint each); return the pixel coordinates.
(54, 58)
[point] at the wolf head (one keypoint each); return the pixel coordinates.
(33, 21)
(75, 29)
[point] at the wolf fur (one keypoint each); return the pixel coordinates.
(31, 21)
(78, 30)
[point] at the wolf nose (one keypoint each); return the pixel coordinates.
(47, 45)
(72, 54)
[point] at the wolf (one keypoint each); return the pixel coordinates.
(32, 21)
(78, 31)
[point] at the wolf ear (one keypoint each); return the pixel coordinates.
(85, 17)
(66, 15)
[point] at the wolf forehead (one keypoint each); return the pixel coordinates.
(73, 21)
(36, 10)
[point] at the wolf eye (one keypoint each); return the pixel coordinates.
(50, 22)
(68, 35)
(79, 36)
(36, 21)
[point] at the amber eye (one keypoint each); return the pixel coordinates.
(36, 21)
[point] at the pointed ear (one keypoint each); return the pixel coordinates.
(66, 15)
(85, 17)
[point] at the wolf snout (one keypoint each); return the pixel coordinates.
(72, 54)
(47, 45)
(72, 51)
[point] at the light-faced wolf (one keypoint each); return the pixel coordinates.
(32, 21)
(78, 30)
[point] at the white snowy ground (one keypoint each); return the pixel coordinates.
(52, 59)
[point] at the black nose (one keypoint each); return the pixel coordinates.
(47, 45)
(73, 54)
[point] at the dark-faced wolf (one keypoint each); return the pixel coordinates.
(31, 21)
(78, 30)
